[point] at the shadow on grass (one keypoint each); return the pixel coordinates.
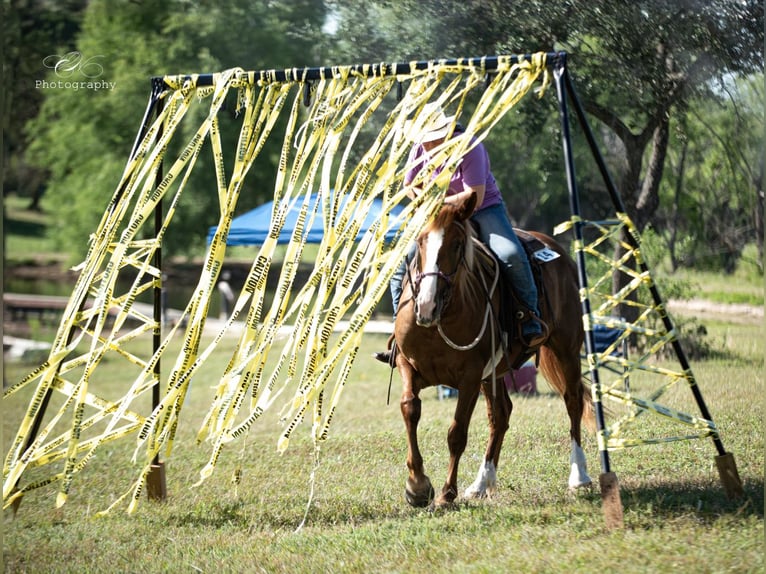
(280, 516)
(682, 498)
(665, 501)
(214, 515)
(25, 228)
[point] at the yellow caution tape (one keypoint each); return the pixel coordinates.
(329, 148)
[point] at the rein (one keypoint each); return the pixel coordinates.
(487, 312)
(487, 290)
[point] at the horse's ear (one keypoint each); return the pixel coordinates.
(466, 208)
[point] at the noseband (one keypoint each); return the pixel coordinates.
(440, 274)
(447, 277)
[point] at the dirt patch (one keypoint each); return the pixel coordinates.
(700, 307)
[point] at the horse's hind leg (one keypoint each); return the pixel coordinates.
(566, 377)
(499, 407)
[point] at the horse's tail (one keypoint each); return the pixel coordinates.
(561, 376)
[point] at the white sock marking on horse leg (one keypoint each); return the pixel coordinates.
(427, 295)
(578, 475)
(485, 483)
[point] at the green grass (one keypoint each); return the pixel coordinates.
(677, 518)
(24, 230)
(741, 288)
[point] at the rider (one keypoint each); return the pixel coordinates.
(473, 176)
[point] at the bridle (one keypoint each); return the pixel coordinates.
(449, 277)
(439, 274)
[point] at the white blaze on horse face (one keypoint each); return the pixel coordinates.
(427, 294)
(578, 475)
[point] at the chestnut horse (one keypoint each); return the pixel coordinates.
(445, 333)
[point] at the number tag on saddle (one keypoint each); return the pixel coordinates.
(545, 254)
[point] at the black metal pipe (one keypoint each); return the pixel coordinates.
(367, 70)
(158, 287)
(38, 418)
(154, 99)
(560, 74)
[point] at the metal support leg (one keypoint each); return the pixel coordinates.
(610, 490)
(727, 468)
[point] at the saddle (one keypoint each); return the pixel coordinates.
(512, 312)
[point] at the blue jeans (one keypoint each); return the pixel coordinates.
(496, 232)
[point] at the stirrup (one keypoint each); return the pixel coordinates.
(532, 342)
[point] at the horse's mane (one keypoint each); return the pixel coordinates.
(477, 258)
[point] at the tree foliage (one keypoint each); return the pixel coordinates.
(32, 31)
(715, 179)
(654, 75)
(84, 139)
(638, 66)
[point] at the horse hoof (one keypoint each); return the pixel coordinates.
(419, 500)
(584, 486)
(474, 493)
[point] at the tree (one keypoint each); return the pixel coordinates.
(526, 148)
(712, 195)
(646, 61)
(85, 138)
(636, 64)
(33, 31)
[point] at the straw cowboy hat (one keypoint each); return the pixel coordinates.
(437, 126)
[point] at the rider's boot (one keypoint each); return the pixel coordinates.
(534, 331)
(388, 357)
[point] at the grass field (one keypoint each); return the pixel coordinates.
(677, 518)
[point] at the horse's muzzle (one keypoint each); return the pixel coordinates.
(426, 323)
(429, 318)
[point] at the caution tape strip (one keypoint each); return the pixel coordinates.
(319, 153)
(648, 325)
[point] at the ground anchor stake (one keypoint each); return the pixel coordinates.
(610, 500)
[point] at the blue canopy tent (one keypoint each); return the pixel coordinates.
(252, 228)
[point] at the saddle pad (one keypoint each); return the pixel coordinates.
(536, 248)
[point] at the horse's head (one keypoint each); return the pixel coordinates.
(441, 248)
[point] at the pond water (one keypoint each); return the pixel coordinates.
(178, 292)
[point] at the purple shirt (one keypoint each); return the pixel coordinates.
(473, 169)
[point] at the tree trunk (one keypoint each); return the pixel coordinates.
(641, 205)
(674, 217)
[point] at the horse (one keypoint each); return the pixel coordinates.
(445, 334)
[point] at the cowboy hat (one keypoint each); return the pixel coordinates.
(437, 125)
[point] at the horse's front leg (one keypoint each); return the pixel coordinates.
(457, 437)
(499, 407)
(418, 491)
